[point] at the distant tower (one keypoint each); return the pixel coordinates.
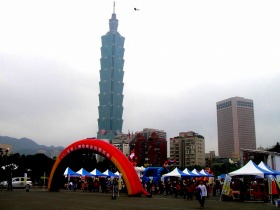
(236, 126)
(111, 82)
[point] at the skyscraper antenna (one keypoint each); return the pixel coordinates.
(114, 8)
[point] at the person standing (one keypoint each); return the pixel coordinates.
(203, 193)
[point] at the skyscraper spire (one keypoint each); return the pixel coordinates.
(114, 7)
(113, 22)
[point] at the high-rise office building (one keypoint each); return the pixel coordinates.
(236, 126)
(111, 82)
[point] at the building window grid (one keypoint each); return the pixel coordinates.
(224, 105)
(244, 104)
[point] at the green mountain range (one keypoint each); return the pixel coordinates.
(27, 146)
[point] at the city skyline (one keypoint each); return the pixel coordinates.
(181, 57)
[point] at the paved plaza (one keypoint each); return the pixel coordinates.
(37, 199)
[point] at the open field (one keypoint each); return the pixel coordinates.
(38, 199)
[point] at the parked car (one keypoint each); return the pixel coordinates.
(18, 182)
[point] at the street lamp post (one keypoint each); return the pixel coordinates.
(7, 152)
(2, 161)
(9, 172)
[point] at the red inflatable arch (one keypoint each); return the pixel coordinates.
(131, 179)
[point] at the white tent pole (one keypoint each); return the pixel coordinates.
(68, 181)
(118, 190)
(113, 187)
(119, 183)
(271, 190)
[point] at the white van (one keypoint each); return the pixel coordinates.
(18, 182)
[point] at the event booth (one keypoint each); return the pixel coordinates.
(83, 174)
(251, 182)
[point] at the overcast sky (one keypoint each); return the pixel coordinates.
(181, 57)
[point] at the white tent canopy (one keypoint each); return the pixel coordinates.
(205, 173)
(69, 172)
(187, 171)
(175, 173)
(140, 169)
(266, 167)
(197, 173)
(83, 172)
(110, 173)
(97, 173)
(250, 169)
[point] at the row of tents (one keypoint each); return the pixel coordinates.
(187, 173)
(261, 170)
(174, 173)
(95, 173)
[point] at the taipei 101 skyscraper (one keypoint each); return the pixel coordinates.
(111, 84)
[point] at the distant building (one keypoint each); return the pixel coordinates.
(188, 149)
(209, 157)
(210, 154)
(54, 153)
(6, 149)
(42, 151)
(272, 159)
(49, 153)
(236, 126)
(122, 143)
(111, 84)
(150, 151)
(147, 133)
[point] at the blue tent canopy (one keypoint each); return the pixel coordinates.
(197, 173)
(97, 173)
(176, 173)
(250, 169)
(83, 172)
(205, 173)
(187, 171)
(222, 176)
(69, 172)
(110, 173)
(267, 168)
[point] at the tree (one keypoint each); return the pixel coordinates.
(275, 148)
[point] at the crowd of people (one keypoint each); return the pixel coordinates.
(190, 189)
(186, 188)
(177, 187)
(100, 184)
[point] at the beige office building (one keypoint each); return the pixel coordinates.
(236, 126)
(187, 149)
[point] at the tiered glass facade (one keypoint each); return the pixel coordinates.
(111, 82)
